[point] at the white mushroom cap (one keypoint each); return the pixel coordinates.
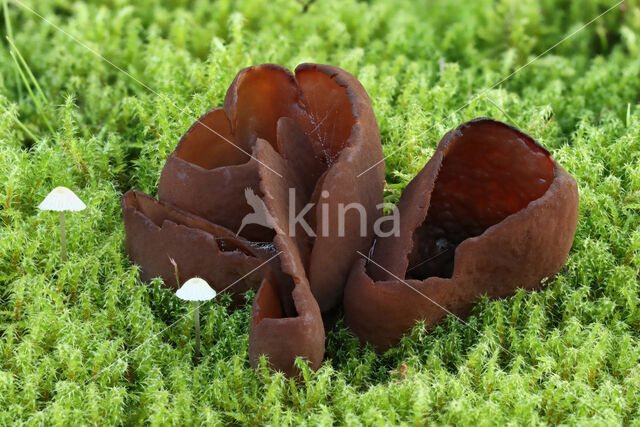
(196, 289)
(61, 199)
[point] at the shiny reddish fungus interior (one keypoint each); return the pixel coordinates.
(210, 143)
(329, 112)
(255, 102)
(275, 298)
(489, 172)
(257, 98)
(269, 303)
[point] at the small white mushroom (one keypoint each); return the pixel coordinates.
(196, 290)
(62, 199)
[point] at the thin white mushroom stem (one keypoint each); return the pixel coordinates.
(196, 323)
(63, 239)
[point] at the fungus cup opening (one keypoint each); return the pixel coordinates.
(326, 101)
(489, 213)
(210, 144)
(489, 172)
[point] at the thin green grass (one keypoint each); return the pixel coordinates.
(37, 102)
(23, 64)
(9, 34)
(88, 343)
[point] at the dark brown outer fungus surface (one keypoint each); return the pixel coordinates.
(323, 104)
(307, 133)
(344, 139)
(348, 148)
(156, 231)
(285, 318)
(489, 213)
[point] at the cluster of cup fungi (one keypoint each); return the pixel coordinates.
(489, 213)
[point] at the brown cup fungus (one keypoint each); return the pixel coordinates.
(254, 197)
(286, 140)
(489, 213)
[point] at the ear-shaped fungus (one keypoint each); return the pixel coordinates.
(344, 132)
(335, 136)
(315, 158)
(285, 318)
(280, 135)
(489, 213)
(157, 232)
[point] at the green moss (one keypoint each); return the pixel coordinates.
(88, 343)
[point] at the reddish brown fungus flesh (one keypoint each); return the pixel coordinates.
(489, 212)
(211, 144)
(321, 94)
(489, 173)
(277, 133)
(159, 232)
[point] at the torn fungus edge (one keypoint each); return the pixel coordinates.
(522, 250)
(157, 232)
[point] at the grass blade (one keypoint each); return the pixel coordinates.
(33, 97)
(26, 67)
(7, 24)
